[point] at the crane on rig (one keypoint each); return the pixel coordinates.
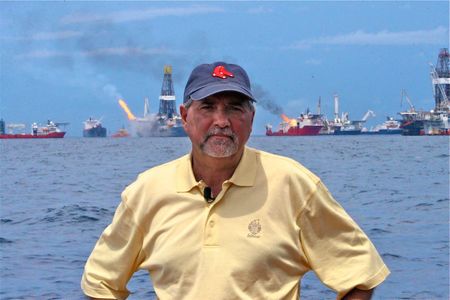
(368, 114)
(405, 96)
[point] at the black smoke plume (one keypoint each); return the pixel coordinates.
(265, 100)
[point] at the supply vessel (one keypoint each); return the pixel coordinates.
(167, 122)
(390, 126)
(16, 131)
(93, 128)
(344, 125)
(121, 133)
(305, 124)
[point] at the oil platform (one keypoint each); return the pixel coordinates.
(433, 122)
(167, 122)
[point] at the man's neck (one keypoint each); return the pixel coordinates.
(214, 171)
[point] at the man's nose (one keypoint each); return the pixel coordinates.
(221, 118)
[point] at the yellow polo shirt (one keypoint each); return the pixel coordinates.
(272, 222)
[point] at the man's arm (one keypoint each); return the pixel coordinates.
(116, 256)
(336, 248)
(357, 294)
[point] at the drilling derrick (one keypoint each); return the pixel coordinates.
(441, 81)
(167, 101)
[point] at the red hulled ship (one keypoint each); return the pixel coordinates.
(48, 131)
(306, 124)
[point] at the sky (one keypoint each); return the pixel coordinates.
(70, 60)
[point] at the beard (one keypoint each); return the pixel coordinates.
(225, 145)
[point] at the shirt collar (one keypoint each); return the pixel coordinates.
(244, 175)
(184, 176)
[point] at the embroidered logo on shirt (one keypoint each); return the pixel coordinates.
(255, 228)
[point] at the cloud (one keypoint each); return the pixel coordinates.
(127, 51)
(260, 10)
(130, 59)
(44, 54)
(313, 61)
(119, 51)
(140, 15)
(58, 35)
(436, 36)
(47, 36)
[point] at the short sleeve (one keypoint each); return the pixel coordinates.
(115, 258)
(338, 251)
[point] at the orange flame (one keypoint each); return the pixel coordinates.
(285, 118)
(291, 122)
(127, 110)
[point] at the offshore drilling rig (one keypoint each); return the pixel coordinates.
(167, 122)
(167, 100)
(433, 122)
(440, 76)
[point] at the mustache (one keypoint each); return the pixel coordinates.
(220, 131)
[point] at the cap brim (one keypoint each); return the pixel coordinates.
(209, 90)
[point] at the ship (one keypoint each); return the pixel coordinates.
(343, 125)
(122, 132)
(435, 121)
(424, 122)
(412, 120)
(15, 131)
(306, 124)
(167, 122)
(390, 126)
(93, 128)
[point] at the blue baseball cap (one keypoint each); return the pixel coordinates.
(209, 79)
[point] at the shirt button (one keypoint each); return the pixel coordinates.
(211, 223)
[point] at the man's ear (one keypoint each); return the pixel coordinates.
(253, 117)
(183, 113)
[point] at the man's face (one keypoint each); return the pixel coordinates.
(219, 125)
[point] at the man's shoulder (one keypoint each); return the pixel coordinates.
(159, 174)
(276, 163)
(161, 169)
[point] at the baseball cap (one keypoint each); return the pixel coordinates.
(208, 79)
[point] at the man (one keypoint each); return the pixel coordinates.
(228, 221)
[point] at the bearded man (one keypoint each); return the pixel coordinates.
(227, 221)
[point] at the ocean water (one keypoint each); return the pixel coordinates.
(57, 196)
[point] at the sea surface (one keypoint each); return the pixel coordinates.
(58, 195)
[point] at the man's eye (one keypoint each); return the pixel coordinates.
(236, 108)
